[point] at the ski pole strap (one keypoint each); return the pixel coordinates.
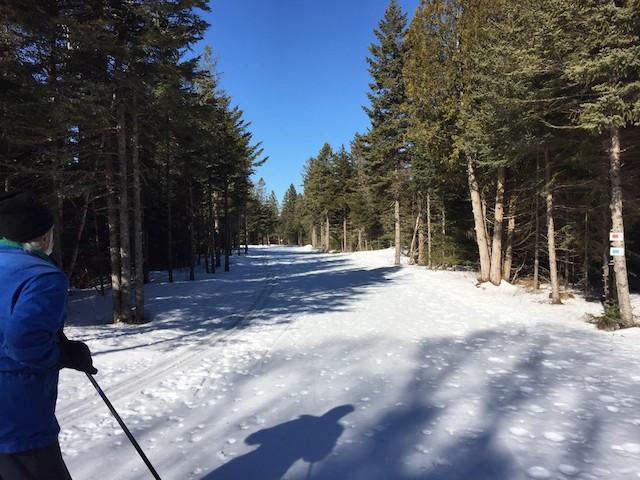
(124, 427)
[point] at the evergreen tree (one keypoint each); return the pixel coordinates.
(385, 148)
(101, 114)
(605, 61)
(319, 192)
(273, 214)
(343, 172)
(290, 222)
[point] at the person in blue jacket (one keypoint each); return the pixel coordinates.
(33, 347)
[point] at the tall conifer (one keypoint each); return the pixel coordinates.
(386, 152)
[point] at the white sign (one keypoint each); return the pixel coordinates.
(616, 236)
(616, 252)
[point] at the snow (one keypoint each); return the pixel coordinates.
(299, 365)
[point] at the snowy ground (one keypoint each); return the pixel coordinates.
(298, 365)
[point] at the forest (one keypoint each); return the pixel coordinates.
(504, 136)
(108, 114)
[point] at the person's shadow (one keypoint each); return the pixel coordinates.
(307, 437)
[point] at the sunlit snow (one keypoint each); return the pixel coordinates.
(298, 365)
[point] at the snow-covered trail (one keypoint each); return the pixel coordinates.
(299, 365)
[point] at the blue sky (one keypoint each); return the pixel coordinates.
(298, 70)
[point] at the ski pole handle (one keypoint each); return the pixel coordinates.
(124, 427)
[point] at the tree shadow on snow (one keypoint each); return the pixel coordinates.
(453, 417)
(427, 436)
(270, 287)
(307, 438)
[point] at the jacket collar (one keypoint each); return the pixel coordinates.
(11, 244)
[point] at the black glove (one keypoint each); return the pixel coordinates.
(76, 355)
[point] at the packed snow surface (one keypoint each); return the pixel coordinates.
(298, 365)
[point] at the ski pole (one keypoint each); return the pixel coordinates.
(123, 426)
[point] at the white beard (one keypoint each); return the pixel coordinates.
(49, 250)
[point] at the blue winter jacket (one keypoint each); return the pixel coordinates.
(33, 305)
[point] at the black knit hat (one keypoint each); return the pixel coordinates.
(23, 217)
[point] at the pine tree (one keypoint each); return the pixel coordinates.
(428, 92)
(290, 222)
(386, 152)
(109, 119)
(319, 193)
(273, 212)
(343, 172)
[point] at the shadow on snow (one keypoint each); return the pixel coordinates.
(429, 419)
(270, 286)
(307, 438)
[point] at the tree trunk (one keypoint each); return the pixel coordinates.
(125, 241)
(114, 238)
(169, 214)
(511, 228)
(344, 232)
(227, 233)
(429, 234)
(444, 232)
(536, 245)
(76, 247)
(58, 211)
(246, 232)
(412, 249)
(191, 228)
(145, 264)
(314, 235)
(396, 216)
(606, 290)
(327, 231)
(359, 239)
(138, 235)
(585, 273)
(617, 225)
(495, 274)
(98, 246)
(566, 274)
(553, 266)
(478, 219)
(211, 241)
(217, 229)
(207, 253)
(486, 230)
(198, 231)
(422, 256)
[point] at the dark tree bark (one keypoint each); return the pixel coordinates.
(81, 227)
(138, 236)
(511, 228)
(114, 237)
(495, 274)
(125, 242)
(227, 232)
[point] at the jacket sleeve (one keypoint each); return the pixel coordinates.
(38, 314)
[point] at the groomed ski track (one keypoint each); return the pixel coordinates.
(240, 376)
(184, 359)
